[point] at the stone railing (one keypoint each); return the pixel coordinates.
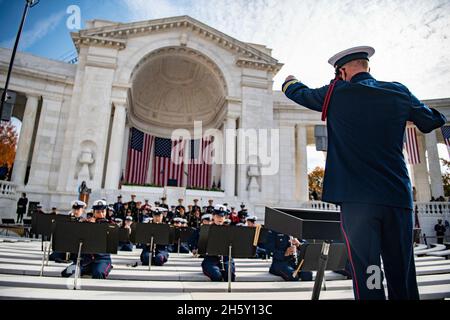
(7, 190)
(432, 208)
(319, 205)
(422, 208)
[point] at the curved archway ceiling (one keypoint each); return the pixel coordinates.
(174, 90)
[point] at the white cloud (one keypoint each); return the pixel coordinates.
(38, 31)
(412, 38)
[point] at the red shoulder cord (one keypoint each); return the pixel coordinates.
(326, 102)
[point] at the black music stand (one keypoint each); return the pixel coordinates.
(181, 234)
(153, 233)
(231, 241)
(44, 225)
(90, 238)
(124, 235)
(321, 229)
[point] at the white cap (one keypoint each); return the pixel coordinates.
(220, 207)
(343, 57)
(78, 203)
(99, 205)
(206, 216)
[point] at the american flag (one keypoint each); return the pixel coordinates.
(412, 146)
(168, 162)
(446, 133)
(199, 168)
(139, 149)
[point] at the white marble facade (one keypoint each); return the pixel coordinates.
(157, 76)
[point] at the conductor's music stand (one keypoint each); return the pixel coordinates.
(153, 233)
(231, 241)
(89, 238)
(321, 229)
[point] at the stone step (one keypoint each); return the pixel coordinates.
(435, 248)
(194, 266)
(51, 294)
(156, 274)
(430, 292)
(180, 286)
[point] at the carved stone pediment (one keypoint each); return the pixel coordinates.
(115, 35)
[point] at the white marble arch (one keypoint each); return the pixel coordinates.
(161, 127)
(134, 55)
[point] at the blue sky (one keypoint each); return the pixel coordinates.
(411, 37)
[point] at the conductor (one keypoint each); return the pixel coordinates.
(365, 169)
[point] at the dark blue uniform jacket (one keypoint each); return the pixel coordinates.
(366, 126)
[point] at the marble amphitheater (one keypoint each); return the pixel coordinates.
(156, 76)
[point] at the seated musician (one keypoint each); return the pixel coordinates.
(216, 267)
(97, 265)
(194, 218)
(193, 240)
(161, 254)
(184, 248)
(126, 246)
(261, 252)
(284, 251)
(76, 213)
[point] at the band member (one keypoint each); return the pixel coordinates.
(184, 248)
(163, 203)
(234, 216)
(196, 206)
(180, 206)
(78, 208)
(126, 246)
(97, 265)
(119, 208)
(146, 205)
(132, 205)
(194, 218)
(193, 240)
(76, 215)
(161, 253)
(261, 252)
(210, 207)
(216, 267)
(284, 251)
(181, 213)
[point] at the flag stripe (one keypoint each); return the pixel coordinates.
(446, 134)
(412, 146)
(168, 161)
(138, 159)
(199, 168)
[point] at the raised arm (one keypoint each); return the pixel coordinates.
(425, 118)
(301, 94)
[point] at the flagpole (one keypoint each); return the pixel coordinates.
(28, 4)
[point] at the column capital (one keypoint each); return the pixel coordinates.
(119, 103)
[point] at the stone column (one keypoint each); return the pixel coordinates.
(229, 167)
(301, 164)
(421, 178)
(434, 165)
(113, 171)
(24, 145)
